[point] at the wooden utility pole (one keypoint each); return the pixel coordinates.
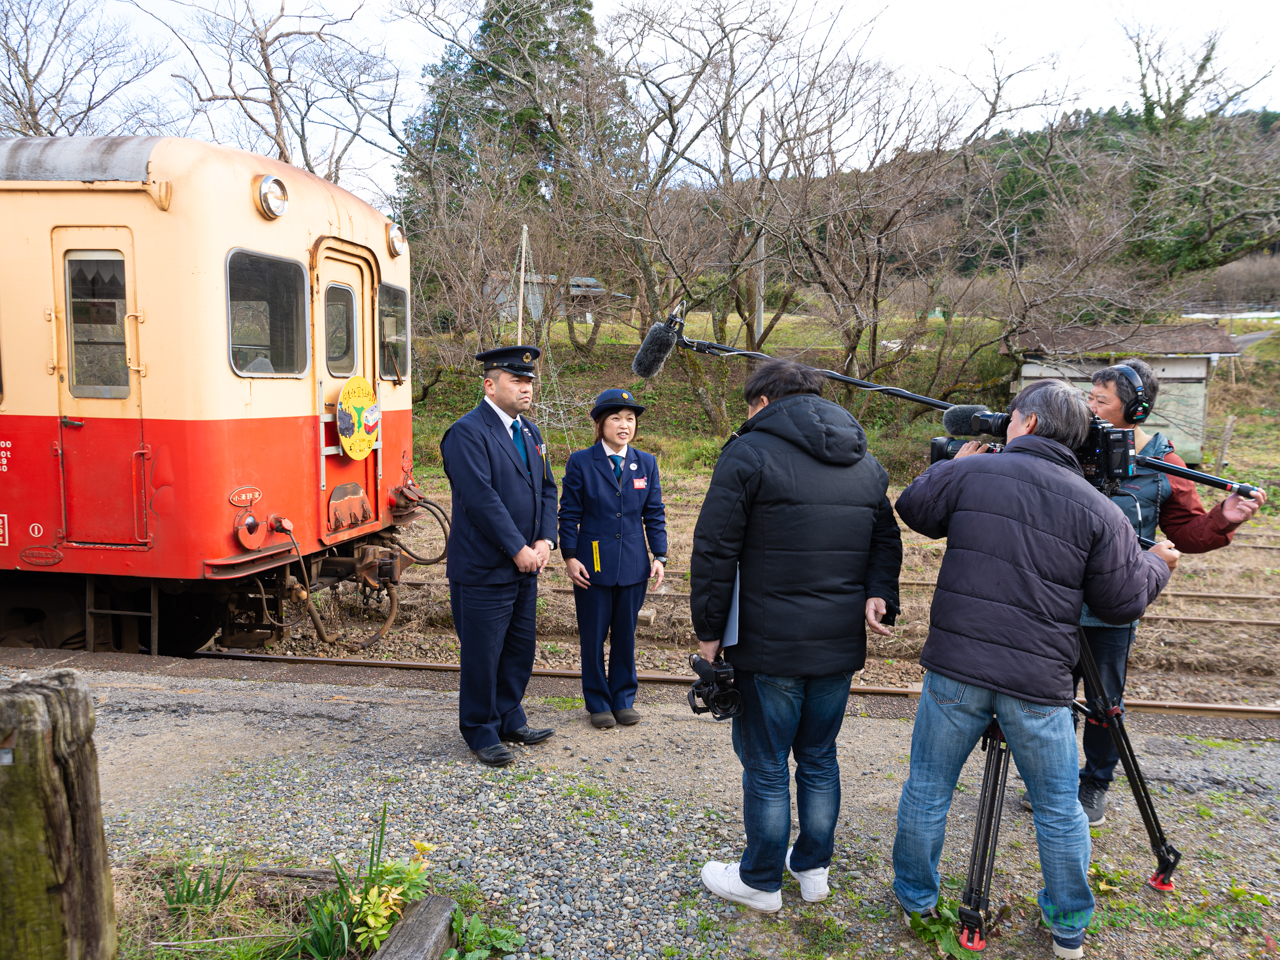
(524, 243)
(56, 897)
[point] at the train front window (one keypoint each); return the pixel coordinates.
(393, 332)
(340, 329)
(96, 308)
(266, 311)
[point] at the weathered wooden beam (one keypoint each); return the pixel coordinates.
(56, 896)
(425, 931)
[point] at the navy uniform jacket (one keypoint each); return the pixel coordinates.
(597, 512)
(498, 506)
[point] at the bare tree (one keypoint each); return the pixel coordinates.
(1208, 171)
(68, 70)
(285, 81)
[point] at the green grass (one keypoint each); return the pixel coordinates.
(565, 703)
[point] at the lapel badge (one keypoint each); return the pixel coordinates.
(635, 467)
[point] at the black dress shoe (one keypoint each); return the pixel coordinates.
(495, 756)
(528, 735)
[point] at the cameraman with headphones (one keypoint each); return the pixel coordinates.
(1124, 396)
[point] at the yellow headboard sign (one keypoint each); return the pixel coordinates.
(358, 418)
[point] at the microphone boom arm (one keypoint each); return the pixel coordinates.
(1185, 473)
(713, 349)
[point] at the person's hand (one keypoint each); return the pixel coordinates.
(656, 574)
(708, 649)
(876, 609)
(1238, 509)
(527, 560)
(1167, 552)
(543, 551)
(577, 573)
(972, 447)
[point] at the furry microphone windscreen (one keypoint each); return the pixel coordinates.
(958, 420)
(657, 346)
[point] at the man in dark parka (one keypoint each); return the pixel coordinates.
(1028, 540)
(797, 514)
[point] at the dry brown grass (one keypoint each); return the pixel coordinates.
(267, 910)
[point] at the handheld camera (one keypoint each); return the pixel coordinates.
(714, 687)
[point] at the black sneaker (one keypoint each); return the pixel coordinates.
(1026, 804)
(1093, 797)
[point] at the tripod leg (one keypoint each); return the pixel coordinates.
(1111, 716)
(986, 834)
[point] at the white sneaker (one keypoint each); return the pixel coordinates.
(722, 879)
(813, 883)
(1059, 951)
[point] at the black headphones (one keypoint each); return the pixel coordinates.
(1139, 408)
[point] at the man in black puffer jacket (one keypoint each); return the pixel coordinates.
(1028, 540)
(797, 515)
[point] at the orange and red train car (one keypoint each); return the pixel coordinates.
(204, 392)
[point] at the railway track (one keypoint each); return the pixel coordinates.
(1163, 617)
(1136, 706)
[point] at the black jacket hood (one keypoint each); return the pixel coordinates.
(824, 430)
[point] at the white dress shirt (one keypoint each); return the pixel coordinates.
(607, 452)
(506, 420)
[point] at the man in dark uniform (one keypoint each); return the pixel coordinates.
(503, 532)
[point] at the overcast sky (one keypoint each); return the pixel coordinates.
(944, 39)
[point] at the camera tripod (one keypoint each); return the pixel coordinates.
(976, 901)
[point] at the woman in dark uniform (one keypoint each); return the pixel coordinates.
(610, 501)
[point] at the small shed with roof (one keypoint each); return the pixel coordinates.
(1182, 355)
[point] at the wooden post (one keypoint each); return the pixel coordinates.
(56, 896)
(1226, 442)
(425, 931)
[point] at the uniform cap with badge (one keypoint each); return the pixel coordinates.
(613, 400)
(517, 360)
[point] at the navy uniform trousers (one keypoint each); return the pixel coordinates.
(496, 640)
(608, 611)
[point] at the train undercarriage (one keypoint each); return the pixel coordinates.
(180, 617)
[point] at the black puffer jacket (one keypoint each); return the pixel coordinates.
(797, 504)
(1028, 539)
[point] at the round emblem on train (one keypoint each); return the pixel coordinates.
(358, 418)
(245, 496)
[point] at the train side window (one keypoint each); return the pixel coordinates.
(393, 332)
(266, 312)
(340, 329)
(96, 311)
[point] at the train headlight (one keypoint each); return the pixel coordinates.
(271, 196)
(397, 242)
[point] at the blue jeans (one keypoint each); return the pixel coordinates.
(1110, 648)
(783, 716)
(949, 723)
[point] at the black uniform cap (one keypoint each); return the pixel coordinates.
(518, 360)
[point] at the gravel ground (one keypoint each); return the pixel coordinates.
(591, 843)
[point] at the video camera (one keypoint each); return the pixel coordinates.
(714, 687)
(1107, 455)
